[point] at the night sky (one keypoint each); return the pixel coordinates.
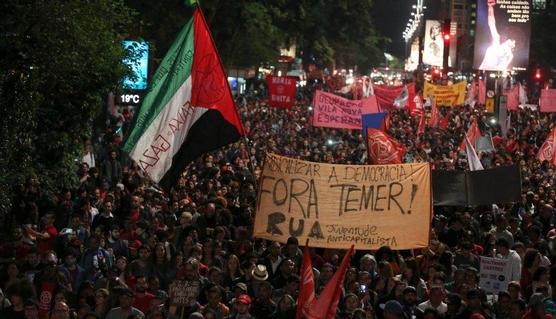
(391, 16)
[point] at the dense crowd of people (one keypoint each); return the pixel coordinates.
(118, 247)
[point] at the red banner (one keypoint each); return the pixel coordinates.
(281, 91)
(548, 100)
(513, 98)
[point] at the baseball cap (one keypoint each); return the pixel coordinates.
(241, 286)
(244, 299)
(393, 307)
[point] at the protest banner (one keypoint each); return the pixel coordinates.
(548, 100)
(335, 206)
(503, 34)
(281, 91)
(494, 274)
(446, 95)
(334, 111)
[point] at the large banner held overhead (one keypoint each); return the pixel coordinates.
(548, 100)
(281, 91)
(502, 37)
(499, 185)
(335, 206)
(446, 95)
(330, 110)
(434, 44)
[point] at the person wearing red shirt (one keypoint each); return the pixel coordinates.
(47, 237)
(142, 297)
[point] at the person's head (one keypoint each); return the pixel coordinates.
(31, 309)
(351, 302)
(367, 263)
(292, 246)
(101, 296)
(385, 269)
(141, 284)
(474, 298)
(532, 258)
(214, 295)
(61, 311)
(144, 252)
(410, 296)
(191, 269)
(393, 310)
(286, 303)
(275, 249)
(536, 304)
(126, 298)
(265, 290)
(502, 246)
(517, 309)
(436, 294)
(243, 303)
(453, 301)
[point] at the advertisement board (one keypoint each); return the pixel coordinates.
(434, 44)
(502, 35)
(139, 63)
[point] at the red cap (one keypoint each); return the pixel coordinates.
(244, 299)
(136, 244)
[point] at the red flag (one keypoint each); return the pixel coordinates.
(435, 115)
(547, 150)
(445, 121)
(281, 91)
(327, 304)
(306, 297)
(482, 92)
(472, 133)
(422, 123)
(513, 98)
(382, 149)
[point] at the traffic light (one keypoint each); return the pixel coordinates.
(538, 74)
(446, 36)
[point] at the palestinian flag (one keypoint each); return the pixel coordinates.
(188, 110)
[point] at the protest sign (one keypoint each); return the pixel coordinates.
(281, 91)
(548, 100)
(335, 206)
(494, 274)
(446, 95)
(334, 111)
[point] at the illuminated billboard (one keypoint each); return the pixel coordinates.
(502, 37)
(434, 44)
(139, 63)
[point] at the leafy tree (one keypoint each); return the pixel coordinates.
(247, 33)
(58, 60)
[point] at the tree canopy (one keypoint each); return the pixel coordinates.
(58, 61)
(247, 33)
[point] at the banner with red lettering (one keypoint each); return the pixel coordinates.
(548, 100)
(334, 111)
(281, 91)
